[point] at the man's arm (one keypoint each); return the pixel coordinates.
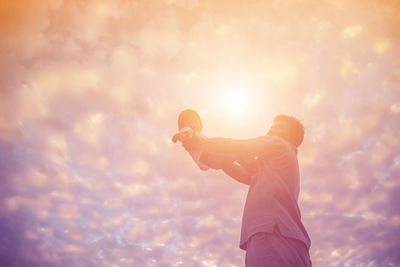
(215, 161)
(238, 173)
(227, 164)
(237, 149)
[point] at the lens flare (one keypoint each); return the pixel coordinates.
(236, 103)
(234, 100)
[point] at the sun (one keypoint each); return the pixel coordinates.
(234, 101)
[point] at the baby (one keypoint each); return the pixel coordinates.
(189, 122)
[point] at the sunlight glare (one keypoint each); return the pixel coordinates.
(234, 101)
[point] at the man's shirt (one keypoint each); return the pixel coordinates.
(196, 154)
(274, 186)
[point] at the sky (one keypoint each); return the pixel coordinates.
(90, 92)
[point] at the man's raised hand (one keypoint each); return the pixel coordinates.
(182, 135)
(192, 143)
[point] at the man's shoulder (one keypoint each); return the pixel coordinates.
(277, 143)
(272, 139)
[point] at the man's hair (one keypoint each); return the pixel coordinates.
(187, 117)
(296, 129)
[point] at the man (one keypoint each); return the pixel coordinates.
(272, 232)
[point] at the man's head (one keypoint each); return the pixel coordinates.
(190, 118)
(288, 128)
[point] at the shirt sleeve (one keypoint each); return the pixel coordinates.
(196, 155)
(215, 161)
(260, 147)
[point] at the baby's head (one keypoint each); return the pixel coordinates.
(190, 118)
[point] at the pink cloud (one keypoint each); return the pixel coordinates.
(90, 93)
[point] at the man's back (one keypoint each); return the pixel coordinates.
(273, 193)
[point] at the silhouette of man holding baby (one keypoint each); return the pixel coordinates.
(272, 233)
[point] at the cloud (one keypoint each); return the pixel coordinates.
(90, 93)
